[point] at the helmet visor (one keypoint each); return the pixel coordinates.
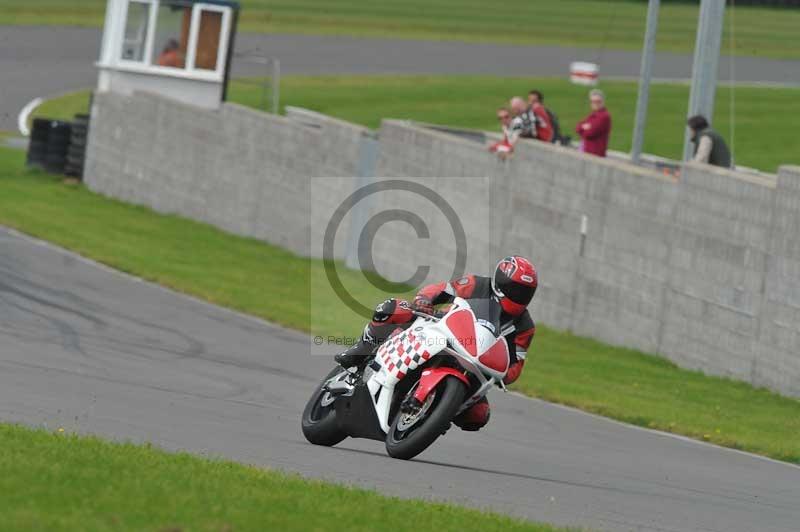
(516, 292)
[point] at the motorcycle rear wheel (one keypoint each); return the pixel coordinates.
(319, 416)
(406, 441)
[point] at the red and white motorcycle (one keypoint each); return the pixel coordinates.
(419, 380)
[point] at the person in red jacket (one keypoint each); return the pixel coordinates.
(513, 285)
(544, 128)
(171, 55)
(536, 99)
(595, 129)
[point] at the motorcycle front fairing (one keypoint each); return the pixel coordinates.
(474, 343)
(400, 355)
(478, 349)
(356, 414)
(477, 344)
(364, 411)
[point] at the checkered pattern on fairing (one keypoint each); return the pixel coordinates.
(403, 353)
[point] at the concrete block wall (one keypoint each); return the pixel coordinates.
(244, 171)
(778, 348)
(550, 234)
(463, 179)
(704, 270)
(549, 231)
(622, 271)
(717, 263)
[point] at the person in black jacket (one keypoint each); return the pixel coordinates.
(709, 146)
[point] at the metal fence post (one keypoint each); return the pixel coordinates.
(645, 74)
(704, 67)
(367, 165)
(276, 86)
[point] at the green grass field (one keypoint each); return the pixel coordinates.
(57, 481)
(767, 32)
(63, 106)
(763, 137)
(251, 276)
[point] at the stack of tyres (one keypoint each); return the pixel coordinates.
(59, 147)
(58, 139)
(37, 147)
(76, 153)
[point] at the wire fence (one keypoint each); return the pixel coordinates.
(269, 83)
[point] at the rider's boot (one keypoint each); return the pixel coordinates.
(358, 355)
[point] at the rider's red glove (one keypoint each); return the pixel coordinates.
(423, 304)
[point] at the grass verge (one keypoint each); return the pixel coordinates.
(62, 107)
(759, 31)
(251, 276)
(57, 481)
(763, 138)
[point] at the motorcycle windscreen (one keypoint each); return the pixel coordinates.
(487, 312)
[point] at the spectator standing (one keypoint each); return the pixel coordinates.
(709, 146)
(595, 129)
(505, 146)
(536, 100)
(544, 129)
(524, 121)
(530, 122)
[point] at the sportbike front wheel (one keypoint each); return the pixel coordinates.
(319, 416)
(414, 431)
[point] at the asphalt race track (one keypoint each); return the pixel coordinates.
(95, 351)
(44, 61)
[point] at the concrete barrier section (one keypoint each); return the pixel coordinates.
(244, 171)
(704, 270)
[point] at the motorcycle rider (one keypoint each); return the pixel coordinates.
(513, 285)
